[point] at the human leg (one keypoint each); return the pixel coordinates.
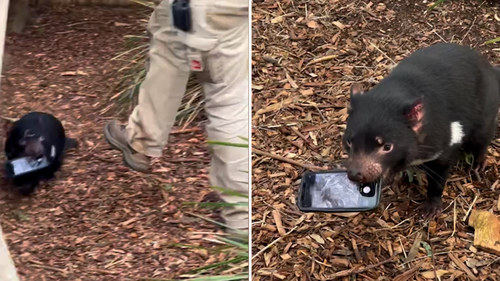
(226, 87)
(160, 94)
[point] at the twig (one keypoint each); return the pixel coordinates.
(462, 266)
(318, 127)
(8, 118)
(467, 33)
(406, 275)
(88, 154)
(188, 160)
(322, 59)
(436, 254)
(470, 208)
(433, 259)
(454, 218)
(49, 268)
(185, 131)
(385, 55)
(283, 159)
(356, 251)
(103, 271)
(357, 270)
(303, 137)
(279, 223)
(272, 243)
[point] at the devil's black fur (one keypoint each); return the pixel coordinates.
(452, 83)
(34, 135)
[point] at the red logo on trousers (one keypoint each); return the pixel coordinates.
(195, 65)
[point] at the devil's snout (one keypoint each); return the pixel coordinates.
(354, 174)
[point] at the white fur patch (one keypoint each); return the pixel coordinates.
(457, 133)
(417, 162)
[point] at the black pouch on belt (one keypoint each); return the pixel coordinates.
(181, 12)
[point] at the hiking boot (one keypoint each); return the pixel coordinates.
(116, 137)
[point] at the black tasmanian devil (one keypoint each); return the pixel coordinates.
(434, 102)
(36, 135)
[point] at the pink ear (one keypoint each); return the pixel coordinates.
(416, 114)
(356, 89)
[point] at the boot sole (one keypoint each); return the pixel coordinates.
(126, 152)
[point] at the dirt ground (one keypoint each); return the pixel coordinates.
(98, 220)
(306, 54)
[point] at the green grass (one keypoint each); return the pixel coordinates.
(492, 41)
(437, 3)
(234, 244)
(238, 248)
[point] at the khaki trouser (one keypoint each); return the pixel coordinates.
(220, 41)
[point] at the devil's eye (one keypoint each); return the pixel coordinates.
(387, 147)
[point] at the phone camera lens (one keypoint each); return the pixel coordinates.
(366, 190)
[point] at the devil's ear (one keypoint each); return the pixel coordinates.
(414, 112)
(356, 89)
(22, 142)
(7, 128)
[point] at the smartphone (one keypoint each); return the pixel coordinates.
(25, 165)
(333, 192)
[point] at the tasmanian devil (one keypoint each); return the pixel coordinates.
(36, 135)
(433, 103)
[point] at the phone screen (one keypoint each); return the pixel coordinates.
(335, 192)
(25, 165)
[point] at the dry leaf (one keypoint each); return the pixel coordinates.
(339, 25)
(279, 224)
(277, 19)
(312, 24)
(431, 275)
(317, 238)
(340, 262)
(335, 37)
(191, 179)
(380, 7)
(307, 92)
(346, 215)
(274, 107)
(414, 249)
(291, 81)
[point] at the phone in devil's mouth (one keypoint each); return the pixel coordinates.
(24, 166)
(333, 192)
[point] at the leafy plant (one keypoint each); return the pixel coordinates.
(235, 243)
(237, 246)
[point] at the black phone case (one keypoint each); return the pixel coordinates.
(10, 169)
(333, 210)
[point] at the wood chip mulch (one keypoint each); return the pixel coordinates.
(99, 220)
(306, 54)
